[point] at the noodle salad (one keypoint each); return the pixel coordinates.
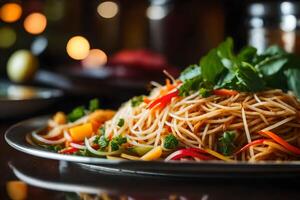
(228, 107)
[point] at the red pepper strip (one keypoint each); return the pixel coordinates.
(196, 150)
(164, 100)
(281, 141)
(189, 153)
(255, 142)
(225, 92)
(68, 150)
(96, 146)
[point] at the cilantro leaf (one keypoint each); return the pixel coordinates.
(249, 77)
(116, 142)
(247, 54)
(121, 122)
(211, 66)
(102, 130)
(103, 142)
(190, 72)
(171, 142)
(190, 85)
(226, 143)
(294, 80)
(76, 113)
(247, 71)
(136, 101)
(93, 105)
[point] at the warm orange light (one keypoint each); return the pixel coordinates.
(10, 12)
(78, 47)
(35, 23)
(95, 59)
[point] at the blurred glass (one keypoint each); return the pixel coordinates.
(274, 23)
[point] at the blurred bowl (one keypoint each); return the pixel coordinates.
(17, 100)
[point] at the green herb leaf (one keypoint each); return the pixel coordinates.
(247, 71)
(190, 72)
(114, 146)
(93, 105)
(82, 152)
(170, 142)
(136, 101)
(103, 142)
(247, 54)
(204, 92)
(226, 143)
(249, 78)
(211, 66)
(55, 148)
(116, 142)
(121, 122)
(102, 130)
(190, 85)
(76, 113)
(294, 80)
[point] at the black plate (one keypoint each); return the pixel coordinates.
(15, 136)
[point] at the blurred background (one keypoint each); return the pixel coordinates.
(98, 47)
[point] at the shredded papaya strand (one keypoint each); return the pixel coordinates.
(281, 141)
(255, 142)
(217, 155)
(225, 92)
(277, 146)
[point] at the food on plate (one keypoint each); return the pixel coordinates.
(229, 107)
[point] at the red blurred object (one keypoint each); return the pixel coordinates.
(140, 64)
(144, 59)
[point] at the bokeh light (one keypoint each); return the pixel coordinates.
(78, 47)
(156, 12)
(95, 59)
(35, 23)
(108, 9)
(8, 37)
(10, 12)
(39, 45)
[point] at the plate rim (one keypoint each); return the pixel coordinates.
(37, 151)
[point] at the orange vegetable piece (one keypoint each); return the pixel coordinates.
(101, 115)
(95, 124)
(16, 190)
(78, 133)
(60, 118)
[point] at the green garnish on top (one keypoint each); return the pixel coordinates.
(246, 71)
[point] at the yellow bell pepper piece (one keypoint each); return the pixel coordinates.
(78, 133)
(153, 154)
